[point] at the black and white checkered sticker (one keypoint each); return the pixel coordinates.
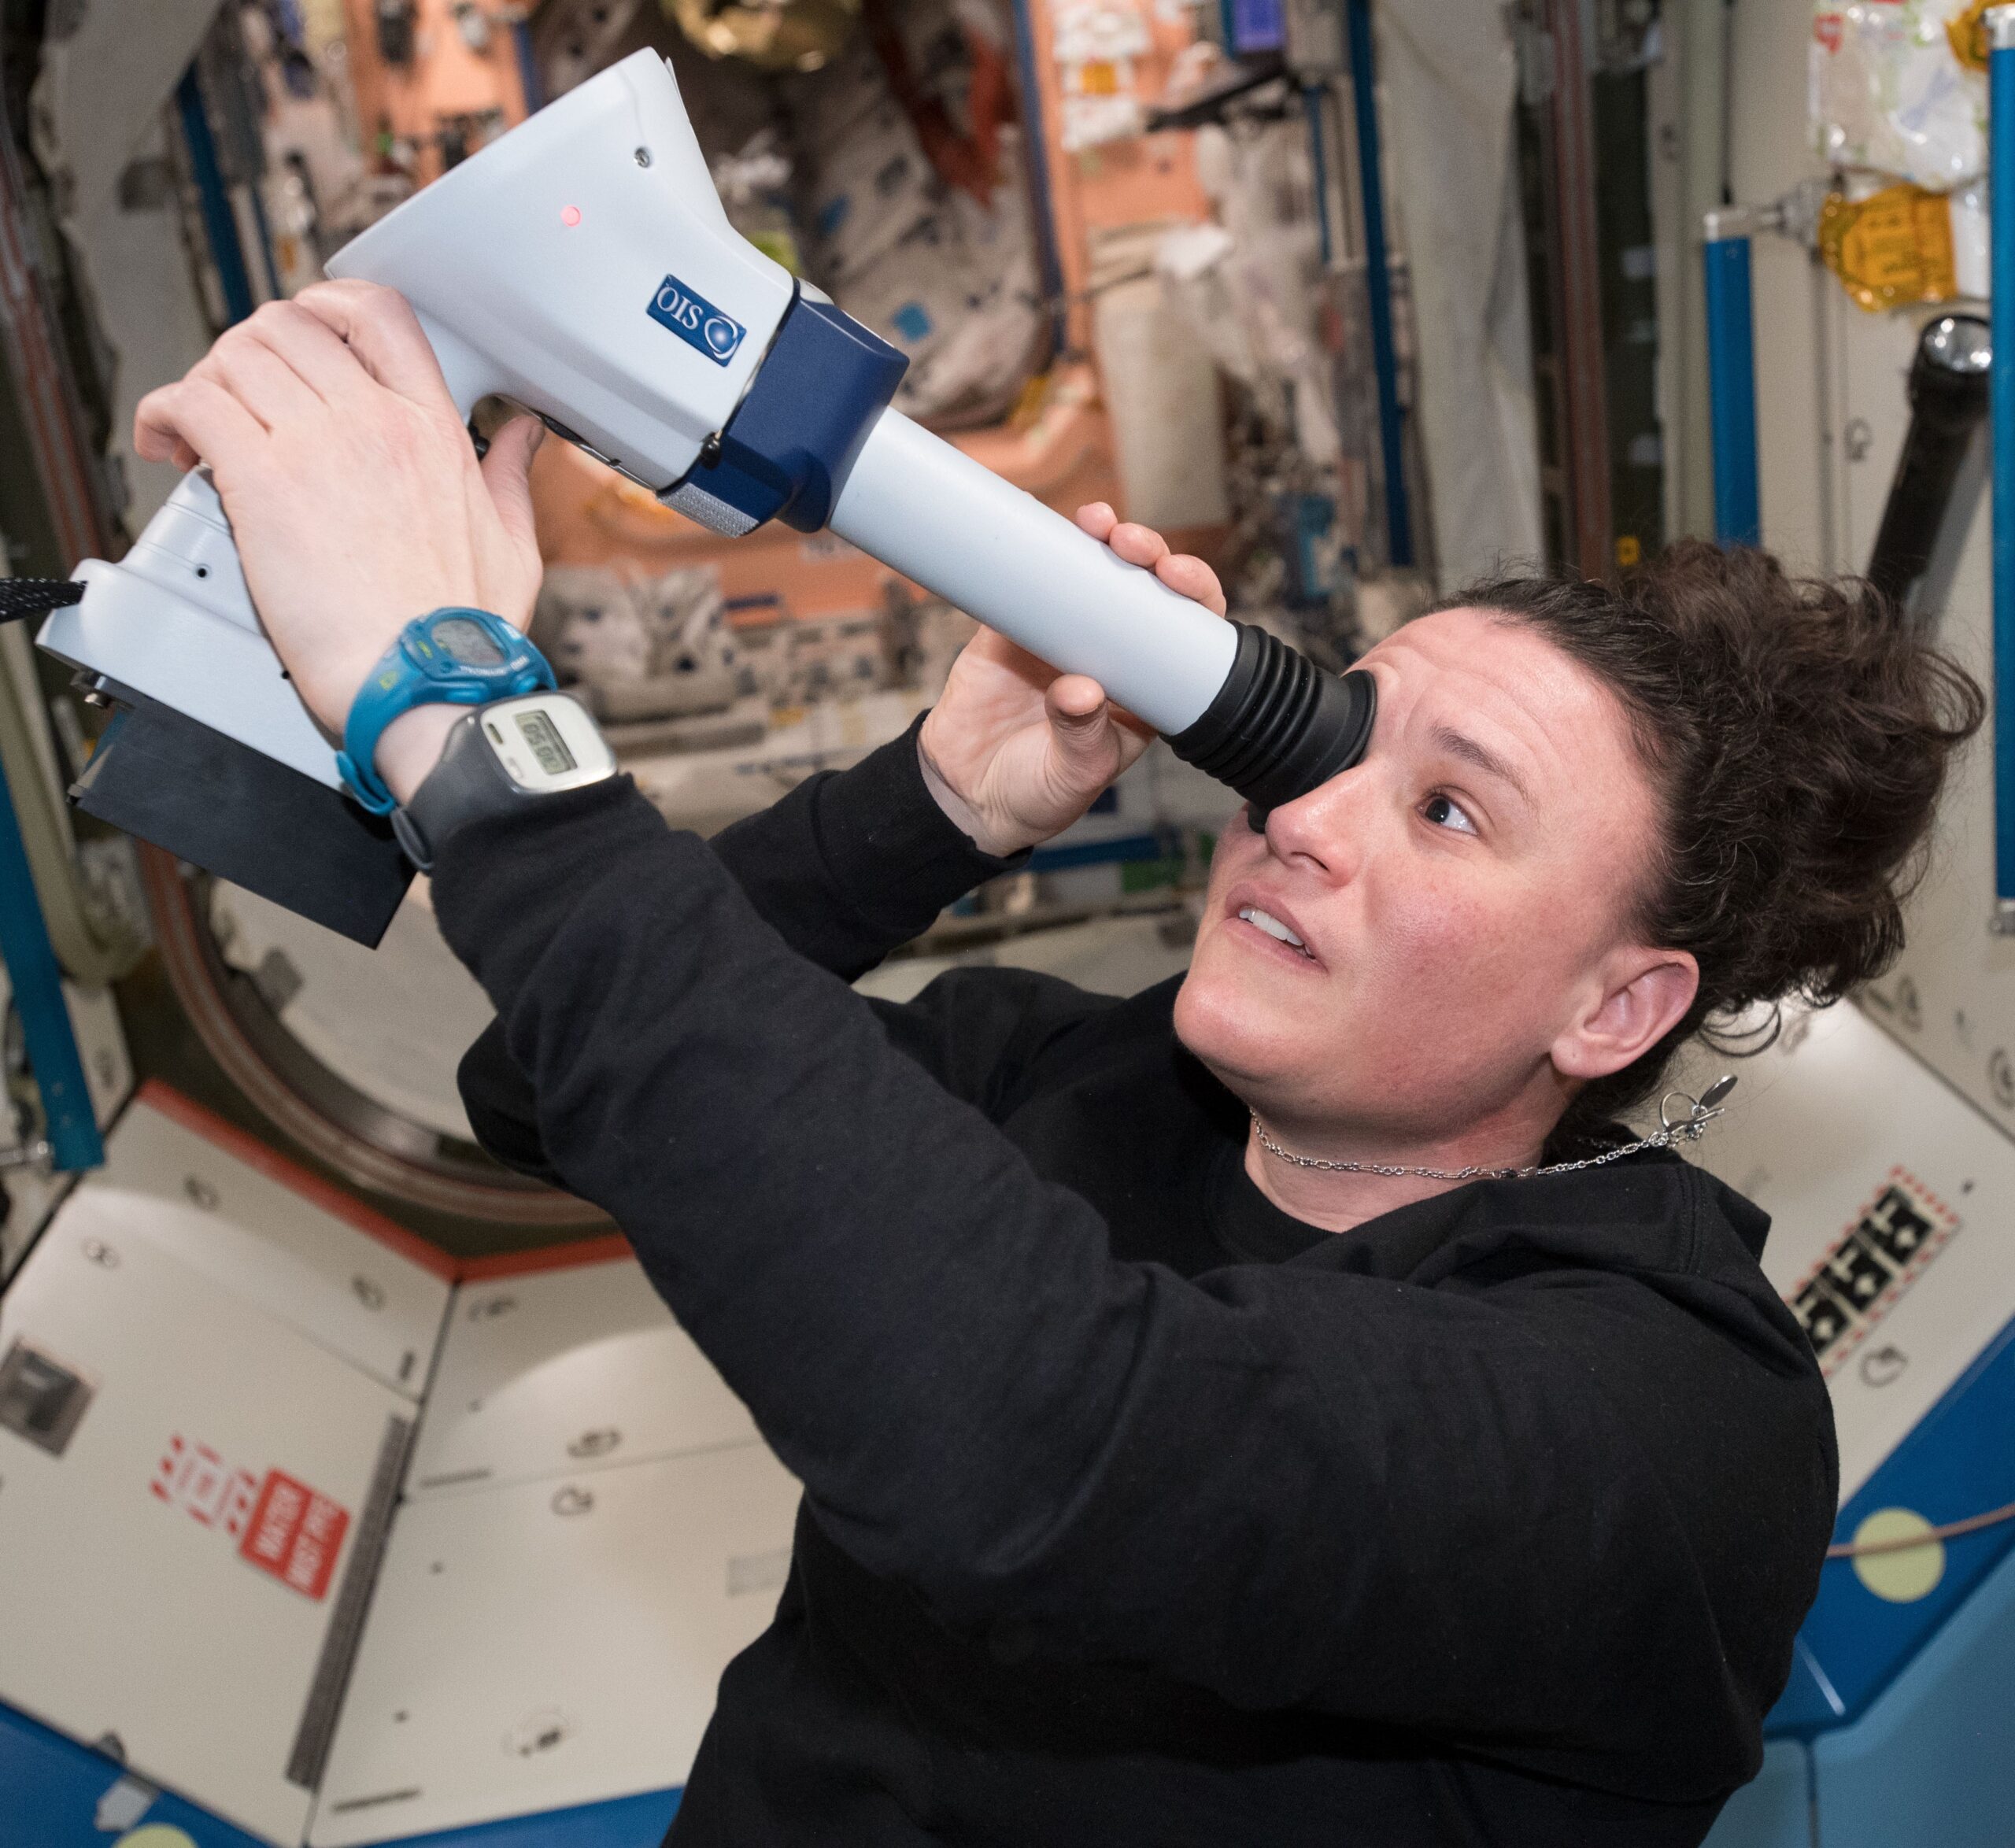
(1869, 1266)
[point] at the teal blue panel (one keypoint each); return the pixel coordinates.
(628, 1822)
(1932, 1764)
(51, 1789)
(1773, 1810)
(1957, 1462)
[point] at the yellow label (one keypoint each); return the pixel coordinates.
(1890, 249)
(1910, 1572)
(1629, 550)
(1966, 32)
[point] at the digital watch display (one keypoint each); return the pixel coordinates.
(467, 643)
(547, 745)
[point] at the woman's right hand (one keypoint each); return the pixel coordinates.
(1015, 752)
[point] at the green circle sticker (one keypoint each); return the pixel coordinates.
(1908, 1574)
(157, 1834)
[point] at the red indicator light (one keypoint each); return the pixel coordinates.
(569, 215)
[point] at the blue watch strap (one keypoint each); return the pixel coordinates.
(452, 657)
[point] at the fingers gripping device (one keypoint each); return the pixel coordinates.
(581, 266)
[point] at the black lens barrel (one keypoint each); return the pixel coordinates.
(1280, 725)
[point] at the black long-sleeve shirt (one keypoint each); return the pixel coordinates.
(1137, 1511)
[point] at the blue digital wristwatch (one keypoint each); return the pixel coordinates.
(456, 657)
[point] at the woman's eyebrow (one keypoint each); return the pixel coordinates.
(1461, 744)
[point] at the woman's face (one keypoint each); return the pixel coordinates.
(1462, 896)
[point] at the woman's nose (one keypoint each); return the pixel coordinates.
(1322, 831)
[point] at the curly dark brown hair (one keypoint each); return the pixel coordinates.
(1797, 731)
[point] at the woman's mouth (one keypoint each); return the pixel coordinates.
(1274, 927)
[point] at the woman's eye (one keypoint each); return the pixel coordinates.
(1445, 813)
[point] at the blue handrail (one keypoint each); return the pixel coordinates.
(1732, 379)
(2000, 383)
(1379, 285)
(37, 985)
(219, 221)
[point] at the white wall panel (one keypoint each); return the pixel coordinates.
(135, 1602)
(1816, 1130)
(1770, 152)
(562, 1371)
(239, 1213)
(553, 1643)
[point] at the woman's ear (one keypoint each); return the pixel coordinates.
(1645, 994)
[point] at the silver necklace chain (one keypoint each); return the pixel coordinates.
(1698, 1113)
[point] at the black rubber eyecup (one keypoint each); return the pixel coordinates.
(1280, 726)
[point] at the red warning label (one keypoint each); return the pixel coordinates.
(294, 1533)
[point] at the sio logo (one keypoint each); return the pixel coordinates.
(697, 321)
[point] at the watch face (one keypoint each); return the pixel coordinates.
(544, 742)
(547, 745)
(467, 643)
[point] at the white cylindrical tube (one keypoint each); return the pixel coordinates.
(931, 512)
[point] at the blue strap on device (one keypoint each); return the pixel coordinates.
(452, 656)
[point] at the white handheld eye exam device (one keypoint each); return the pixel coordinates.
(581, 265)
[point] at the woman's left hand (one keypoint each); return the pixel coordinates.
(353, 491)
(1015, 752)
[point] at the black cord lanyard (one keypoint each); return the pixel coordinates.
(23, 598)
